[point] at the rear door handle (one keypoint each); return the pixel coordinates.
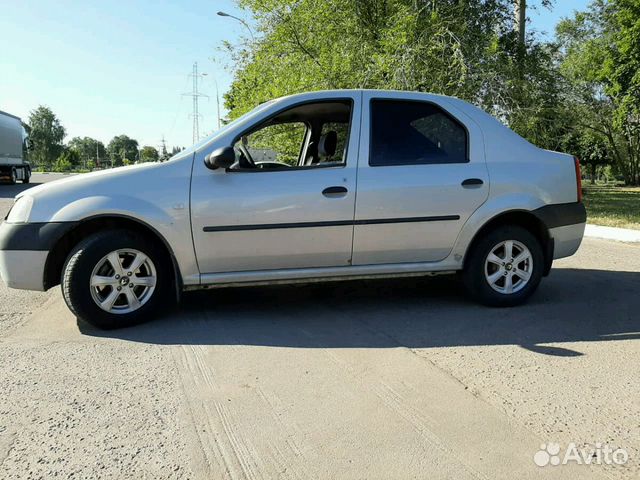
(470, 182)
(332, 192)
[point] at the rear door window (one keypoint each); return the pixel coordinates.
(414, 133)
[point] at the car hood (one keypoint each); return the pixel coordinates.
(133, 190)
(86, 180)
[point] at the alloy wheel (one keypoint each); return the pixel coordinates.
(123, 281)
(508, 267)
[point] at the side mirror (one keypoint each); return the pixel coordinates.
(222, 157)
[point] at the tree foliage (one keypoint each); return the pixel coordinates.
(149, 154)
(68, 159)
(90, 150)
(45, 136)
(601, 61)
(466, 49)
(122, 150)
(577, 93)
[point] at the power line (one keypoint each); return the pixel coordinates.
(217, 102)
(195, 95)
(179, 109)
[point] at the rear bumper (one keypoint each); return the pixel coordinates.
(562, 214)
(566, 222)
(23, 269)
(566, 239)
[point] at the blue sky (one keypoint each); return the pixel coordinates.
(113, 67)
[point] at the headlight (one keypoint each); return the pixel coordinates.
(21, 210)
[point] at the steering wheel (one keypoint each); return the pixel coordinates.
(245, 161)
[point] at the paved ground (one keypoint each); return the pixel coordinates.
(16, 305)
(385, 379)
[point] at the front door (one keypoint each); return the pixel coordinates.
(422, 173)
(289, 200)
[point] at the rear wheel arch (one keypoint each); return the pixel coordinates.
(65, 244)
(522, 218)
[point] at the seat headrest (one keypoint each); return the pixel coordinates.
(328, 143)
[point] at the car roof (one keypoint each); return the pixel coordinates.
(439, 99)
(321, 93)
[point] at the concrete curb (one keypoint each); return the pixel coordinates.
(612, 233)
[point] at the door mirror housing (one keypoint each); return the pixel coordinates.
(222, 157)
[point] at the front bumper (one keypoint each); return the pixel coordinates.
(24, 248)
(23, 269)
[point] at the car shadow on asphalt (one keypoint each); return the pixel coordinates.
(571, 305)
(9, 191)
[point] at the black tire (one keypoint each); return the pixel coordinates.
(474, 276)
(78, 268)
(27, 176)
(13, 177)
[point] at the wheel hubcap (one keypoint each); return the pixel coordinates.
(123, 281)
(508, 267)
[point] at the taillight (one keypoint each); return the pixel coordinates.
(578, 178)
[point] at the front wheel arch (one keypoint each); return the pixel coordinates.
(110, 293)
(65, 244)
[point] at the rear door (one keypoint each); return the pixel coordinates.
(421, 174)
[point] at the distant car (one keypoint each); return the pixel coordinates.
(352, 184)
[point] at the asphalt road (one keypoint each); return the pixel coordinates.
(375, 379)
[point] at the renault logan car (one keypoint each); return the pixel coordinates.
(319, 186)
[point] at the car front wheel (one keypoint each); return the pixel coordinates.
(116, 279)
(504, 267)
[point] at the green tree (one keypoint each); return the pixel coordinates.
(401, 44)
(600, 63)
(67, 160)
(591, 148)
(46, 134)
(622, 69)
(122, 148)
(90, 150)
(149, 154)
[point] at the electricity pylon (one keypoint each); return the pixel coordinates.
(195, 95)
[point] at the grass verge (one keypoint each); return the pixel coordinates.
(613, 206)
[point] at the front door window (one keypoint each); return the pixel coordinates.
(306, 136)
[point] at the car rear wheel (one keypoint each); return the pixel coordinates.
(116, 279)
(504, 267)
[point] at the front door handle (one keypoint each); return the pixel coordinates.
(472, 182)
(332, 192)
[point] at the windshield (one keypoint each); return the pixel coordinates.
(228, 126)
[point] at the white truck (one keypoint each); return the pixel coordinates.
(13, 138)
